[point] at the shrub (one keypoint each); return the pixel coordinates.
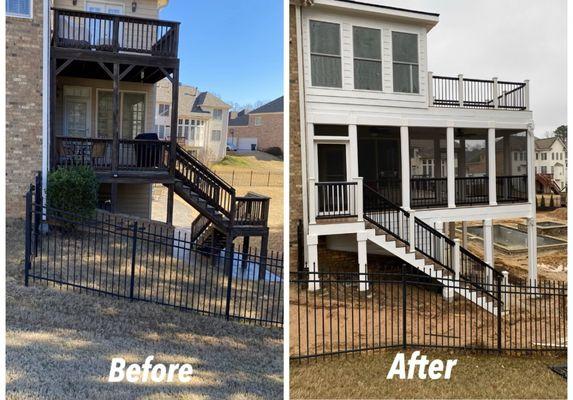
(275, 151)
(74, 190)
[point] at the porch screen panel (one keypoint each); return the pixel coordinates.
(133, 120)
(405, 62)
(105, 115)
(325, 57)
(367, 58)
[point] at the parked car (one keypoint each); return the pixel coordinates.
(231, 147)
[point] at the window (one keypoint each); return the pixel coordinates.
(132, 115)
(19, 8)
(163, 110)
(258, 120)
(537, 156)
(183, 128)
(216, 135)
(553, 156)
(218, 114)
(163, 131)
(515, 156)
(330, 130)
(325, 54)
(543, 169)
(552, 169)
(544, 156)
(405, 62)
(367, 58)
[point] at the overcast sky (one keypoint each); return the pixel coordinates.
(513, 40)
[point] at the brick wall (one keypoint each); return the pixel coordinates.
(23, 106)
(295, 174)
(269, 134)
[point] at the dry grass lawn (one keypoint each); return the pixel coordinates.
(478, 376)
(60, 344)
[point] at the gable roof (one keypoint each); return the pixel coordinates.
(206, 99)
(274, 106)
(547, 143)
(239, 119)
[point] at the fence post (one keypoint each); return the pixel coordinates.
(233, 179)
(404, 313)
(28, 233)
(133, 254)
(412, 231)
(269, 179)
(229, 253)
(505, 283)
(499, 306)
(251, 183)
(38, 202)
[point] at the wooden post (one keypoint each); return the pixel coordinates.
(173, 140)
(53, 91)
(263, 255)
(115, 120)
(170, 199)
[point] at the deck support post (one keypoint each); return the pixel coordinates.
(488, 247)
(170, 200)
(174, 120)
(532, 251)
(115, 121)
(53, 91)
(450, 165)
(405, 166)
(313, 278)
(491, 166)
(361, 238)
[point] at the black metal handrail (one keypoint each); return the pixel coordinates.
(431, 243)
(386, 215)
(511, 189)
(477, 93)
(114, 33)
(478, 272)
(429, 192)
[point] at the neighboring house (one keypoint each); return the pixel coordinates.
(370, 123)
(260, 129)
(202, 122)
(551, 160)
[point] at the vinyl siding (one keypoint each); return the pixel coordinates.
(145, 8)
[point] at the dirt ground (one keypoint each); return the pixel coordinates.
(60, 344)
(183, 213)
(552, 265)
(476, 376)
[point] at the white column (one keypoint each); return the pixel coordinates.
(531, 168)
(361, 238)
(491, 166)
(532, 249)
(430, 88)
(488, 245)
(359, 199)
(312, 200)
(405, 165)
(526, 94)
(412, 231)
(313, 278)
(451, 176)
(353, 144)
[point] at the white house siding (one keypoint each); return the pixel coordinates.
(94, 85)
(347, 96)
(216, 149)
(559, 164)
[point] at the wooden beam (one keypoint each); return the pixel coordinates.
(106, 70)
(167, 74)
(120, 58)
(63, 66)
(124, 73)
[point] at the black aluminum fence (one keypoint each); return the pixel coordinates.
(402, 309)
(141, 260)
(252, 178)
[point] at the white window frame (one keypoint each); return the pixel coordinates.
(220, 135)
(219, 111)
(105, 5)
(168, 109)
(89, 110)
(23, 16)
(407, 63)
(354, 57)
(339, 56)
(257, 120)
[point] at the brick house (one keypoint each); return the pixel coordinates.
(259, 129)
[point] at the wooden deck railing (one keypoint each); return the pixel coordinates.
(447, 91)
(114, 33)
(133, 154)
(252, 209)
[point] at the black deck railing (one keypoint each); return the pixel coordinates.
(114, 33)
(386, 215)
(133, 154)
(472, 190)
(449, 91)
(428, 192)
(511, 189)
(404, 309)
(336, 199)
